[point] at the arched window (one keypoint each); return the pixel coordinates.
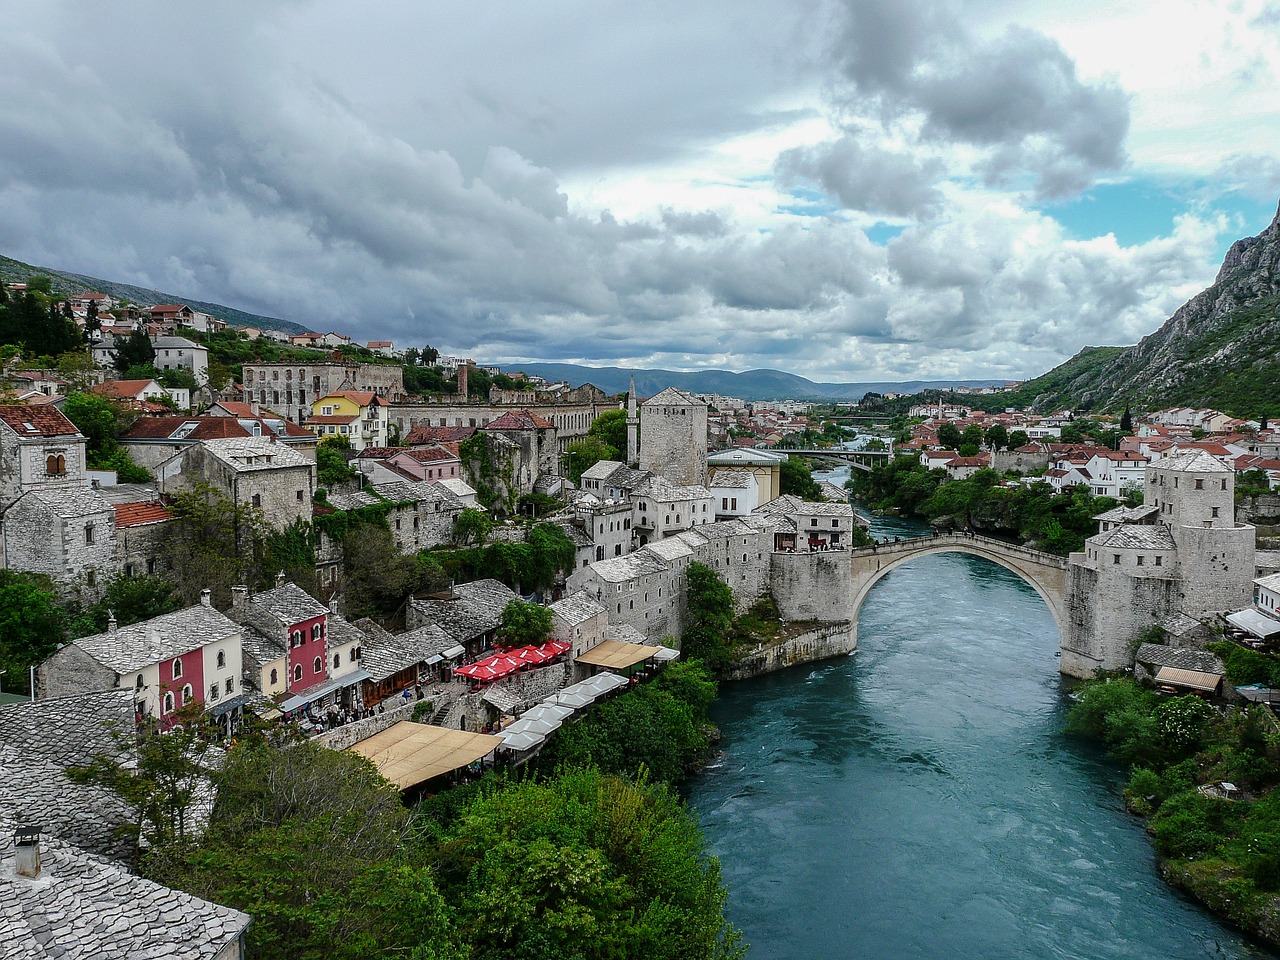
(168, 703)
(337, 660)
(315, 631)
(177, 669)
(222, 659)
(187, 694)
(275, 676)
(55, 465)
(318, 666)
(297, 672)
(139, 683)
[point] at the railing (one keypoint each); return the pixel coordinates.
(912, 544)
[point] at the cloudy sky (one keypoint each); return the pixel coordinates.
(845, 189)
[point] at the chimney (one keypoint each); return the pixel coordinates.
(462, 379)
(254, 408)
(111, 622)
(26, 845)
(239, 602)
(206, 596)
(280, 579)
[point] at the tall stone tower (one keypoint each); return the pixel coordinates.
(673, 436)
(633, 426)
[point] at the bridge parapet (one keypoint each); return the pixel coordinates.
(1002, 547)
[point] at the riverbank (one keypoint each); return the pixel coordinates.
(1205, 781)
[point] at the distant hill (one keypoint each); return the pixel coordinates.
(1221, 349)
(749, 385)
(12, 271)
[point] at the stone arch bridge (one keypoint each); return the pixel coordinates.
(1045, 572)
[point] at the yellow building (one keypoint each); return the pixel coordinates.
(359, 416)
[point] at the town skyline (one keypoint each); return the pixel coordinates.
(977, 193)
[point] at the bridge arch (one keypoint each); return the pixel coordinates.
(1046, 573)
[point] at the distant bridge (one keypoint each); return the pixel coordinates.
(1045, 572)
(861, 459)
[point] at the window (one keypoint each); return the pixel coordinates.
(88, 533)
(177, 670)
(213, 691)
(1215, 511)
(188, 695)
(275, 676)
(297, 672)
(1199, 483)
(1140, 559)
(317, 665)
(317, 631)
(813, 522)
(222, 659)
(168, 703)
(337, 660)
(355, 654)
(56, 465)
(299, 496)
(835, 522)
(1115, 558)
(257, 500)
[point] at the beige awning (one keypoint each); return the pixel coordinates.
(1191, 679)
(617, 655)
(410, 753)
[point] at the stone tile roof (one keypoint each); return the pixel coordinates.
(31, 420)
(140, 514)
(260, 648)
(352, 501)
(1135, 537)
(84, 907)
(175, 343)
(731, 480)
(624, 633)
(633, 565)
(255, 453)
(602, 470)
(70, 730)
(288, 604)
(662, 489)
(1192, 461)
(1124, 514)
(69, 501)
(386, 654)
(789, 505)
(341, 630)
(1179, 624)
(576, 608)
(670, 548)
(414, 491)
(476, 610)
(1270, 582)
(459, 488)
(673, 397)
(160, 638)
(1159, 655)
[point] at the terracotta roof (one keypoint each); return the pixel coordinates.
(122, 389)
(362, 397)
(423, 434)
(31, 420)
(519, 420)
(164, 428)
(374, 344)
(139, 514)
(332, 419)
(430, 454)
(169, 307)
(378, 453)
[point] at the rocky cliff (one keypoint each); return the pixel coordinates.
(1220, 349)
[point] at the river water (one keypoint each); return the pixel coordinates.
(921, 800)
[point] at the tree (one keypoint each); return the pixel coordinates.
(1018, 438)
(131, 599)
(133, 350)
(709, 605)
(332, 467)
(430, 355)
(31, 625)
(471, 525)
(1126, 421)
(797, 480)
(213, 543)
(971, 437)
(100, 420)
(586, 453)
(379, 578)
(611, 427)
(524, 624)
(949, 435)
(91, 322)
(997, 436)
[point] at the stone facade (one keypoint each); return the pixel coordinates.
(253, 472)
(673, 437)
(833, 640)
(812, 586)
(40, 449)
(68, 534)
(290, 388)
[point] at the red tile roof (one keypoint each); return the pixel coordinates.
(122, 389)
(423, 434)
(30, 420)
(378, 453)
(519, 420)
(162, 428)
(332, 419)
(138, 514)
(430, 454)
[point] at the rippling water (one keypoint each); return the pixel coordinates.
(920, 799)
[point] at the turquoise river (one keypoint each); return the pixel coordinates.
(921, 800)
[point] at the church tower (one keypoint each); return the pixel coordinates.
(633, 426)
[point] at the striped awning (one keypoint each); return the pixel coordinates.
(1189, 679)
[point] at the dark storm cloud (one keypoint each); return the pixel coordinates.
(1017, 95)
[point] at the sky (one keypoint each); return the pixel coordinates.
(843, 189)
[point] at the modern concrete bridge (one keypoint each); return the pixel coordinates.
(860, 459)
(1046, 572)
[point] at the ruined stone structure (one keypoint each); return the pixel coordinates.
(673, 437)
(290, 388)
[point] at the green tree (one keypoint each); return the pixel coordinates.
(1018, 438)
(332, 466)
(1126, 421)
(524, 624)
(997, 436)
(132, 350)
(971, 437)
(131, 598)
(31, 625)
(709, 606)
(949, 435)
(471, 526)
(797, 480)
(586, 453)
(213, 543)
(611, 427)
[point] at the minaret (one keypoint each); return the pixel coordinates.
(633, 426)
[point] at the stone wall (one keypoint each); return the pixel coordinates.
(833, 640)
(140, 549)
(38, 540)
(72, 673)
(1217, 566)
(1006, 460)
(1106, 612)
(418, 525)
(340, 738)
(572, 418)
(812, 586)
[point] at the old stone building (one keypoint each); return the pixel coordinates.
(67, 533)
(673, 436)
(423, 514)
(40, 449)
(252, 472)
(535, 437)
(291, 388)
(1187, 556)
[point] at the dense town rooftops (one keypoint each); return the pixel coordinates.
(70, 730)
(36, 420)
(660, 488)
(475, 610)
(161, 638)
(791, 505)
(1161, 655)
(386, 654)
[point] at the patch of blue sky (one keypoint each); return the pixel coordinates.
(808, 203)
(881, 233)
(1142, 209)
